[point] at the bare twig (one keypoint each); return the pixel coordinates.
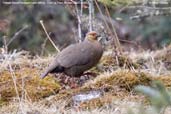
(41, 22)
(102, 16)
(16, 34)
(147, 7)
(91, 12)
(143, 16)
(14, 81)
(79, 24)
(5, 44)
(104, 19)
(114, 30)
(43, 46)
(81, 13)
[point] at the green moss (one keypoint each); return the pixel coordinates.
(116, 85)
(28, 85)
(2, 102)
(124, 79)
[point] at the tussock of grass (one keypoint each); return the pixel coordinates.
(124, 79)
(28, 85)
(110, 62)
(114, 85)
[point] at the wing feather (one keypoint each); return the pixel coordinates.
(75, 56)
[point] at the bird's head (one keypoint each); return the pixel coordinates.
(92, 36)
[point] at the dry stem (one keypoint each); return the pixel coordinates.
(41, 22)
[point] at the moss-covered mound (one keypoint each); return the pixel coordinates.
(25, 83)
(123, 79)
(115, 85)
(111, 85)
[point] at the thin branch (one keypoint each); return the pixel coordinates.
(43, 46)
(5, 44)
(91, 12)
(143, 16)
(147, 7)
(79, 14)
(114, 30)
(14, 81)
(41, 22)
(104, 19)
(16, 34)
(79, 24)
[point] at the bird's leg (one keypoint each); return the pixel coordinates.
(70, 82)
(67, 81)
(73, 82)
(60, 77)
(90, 74)
(86, 76)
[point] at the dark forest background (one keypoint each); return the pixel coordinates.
(146, 25)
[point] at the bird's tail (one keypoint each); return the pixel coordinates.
(52, 69)
(43, 75)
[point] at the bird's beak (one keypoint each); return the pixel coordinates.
(99, 38)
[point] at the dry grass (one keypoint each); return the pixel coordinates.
(117, 107)
(20, 79)
(22, 92)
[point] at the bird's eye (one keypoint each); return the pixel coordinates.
(94, 35)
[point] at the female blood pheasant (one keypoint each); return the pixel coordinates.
(77, 58)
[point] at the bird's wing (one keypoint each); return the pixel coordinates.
(75, 55)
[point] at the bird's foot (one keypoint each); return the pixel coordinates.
(67, 82)
(85, 77)
(74, 82)
(90, 74)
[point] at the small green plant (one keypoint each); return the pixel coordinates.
(158, 95)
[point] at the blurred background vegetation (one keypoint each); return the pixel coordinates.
(139, 25)
(146, 24)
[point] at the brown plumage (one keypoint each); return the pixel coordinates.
(77, 58)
